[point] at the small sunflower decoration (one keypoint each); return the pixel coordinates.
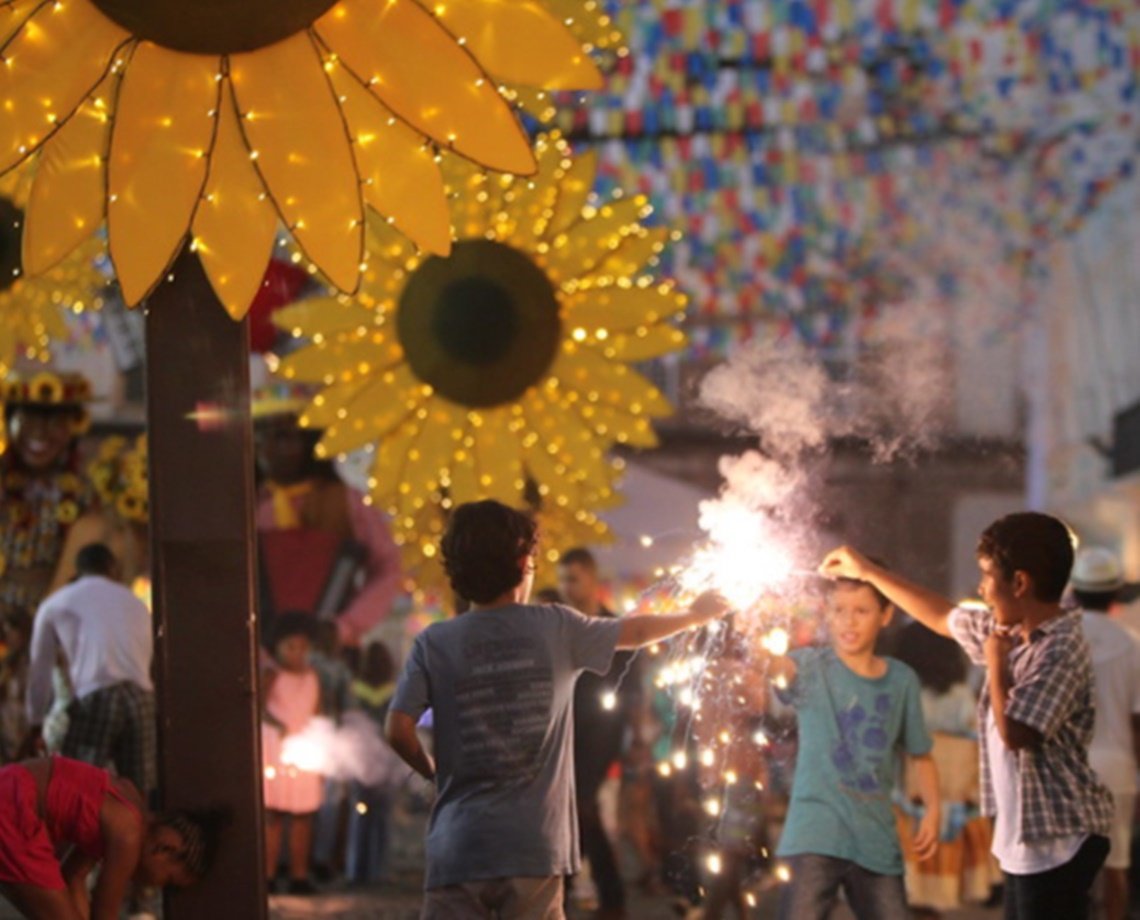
(32, 307)
(118, 474)
(212, 120)
(503, 368)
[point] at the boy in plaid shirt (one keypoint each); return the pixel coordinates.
(1037, 713)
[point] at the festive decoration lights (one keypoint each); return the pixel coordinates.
(32, 308)
(213, 126)
(501, 371)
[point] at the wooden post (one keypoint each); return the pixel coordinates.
(201, 487)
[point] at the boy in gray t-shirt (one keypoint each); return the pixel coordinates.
(500, 683)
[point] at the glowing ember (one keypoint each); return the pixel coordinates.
(302, 752)
(714, 863)
(609, 700)
(777, 641)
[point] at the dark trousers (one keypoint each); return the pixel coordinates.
(1060, 892)
(815, 884)
(598, 850)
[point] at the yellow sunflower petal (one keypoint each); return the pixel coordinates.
(379, 408)
(642, 343)
(573, 190)
(615, 424)
(464, 476)
(588, 21)
(388, 480)
(67, 199)
(635, 251)
(401, 177)
(418, 70)
(332, 403)
(235, 225)
(518, 41)
(418, 470)
(160, 145)
(618, 308)
(14, 14)
(477, 197)
(583, 246)
(345, 358)
(530, 201)
(52, 62)
(323, 316)
(585, 371)
(577, 451)
(498, 457)
(300, 146)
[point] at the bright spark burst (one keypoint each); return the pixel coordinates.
(743, 559)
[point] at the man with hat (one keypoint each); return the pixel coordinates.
(43, 494)
(1096, 582)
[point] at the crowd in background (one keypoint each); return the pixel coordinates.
(75, 678)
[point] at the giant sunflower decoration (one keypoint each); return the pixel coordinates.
(32, 307)
(502, 370)
(212, 118)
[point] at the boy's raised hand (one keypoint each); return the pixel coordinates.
(844, 562)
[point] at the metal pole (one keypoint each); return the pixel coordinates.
(201, 487)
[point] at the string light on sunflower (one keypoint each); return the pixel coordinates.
(559, 529)
(212, 121)
(503, 367)
(32, 308)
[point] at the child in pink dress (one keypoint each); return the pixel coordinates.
(292, 696)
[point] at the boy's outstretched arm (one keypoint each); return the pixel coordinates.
(400, 730)
(926, 839)
(644, 630)
(928, 607)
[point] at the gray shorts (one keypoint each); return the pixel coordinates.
(497, 899)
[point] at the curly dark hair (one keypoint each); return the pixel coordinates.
(294, 623)
(201, 830)
(1034, 543)
(938, 661)
(485, 549)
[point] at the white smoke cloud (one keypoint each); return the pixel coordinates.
(353, 750)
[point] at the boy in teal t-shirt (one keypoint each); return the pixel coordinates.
(857, 711)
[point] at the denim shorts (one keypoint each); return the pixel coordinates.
(817, 880)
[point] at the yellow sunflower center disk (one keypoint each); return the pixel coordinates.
(214, 26)
(481, 326)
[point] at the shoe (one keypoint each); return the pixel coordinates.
(301, 886)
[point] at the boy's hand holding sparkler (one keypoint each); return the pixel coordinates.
(645, 629)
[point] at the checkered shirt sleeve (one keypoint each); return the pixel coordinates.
(969, 627)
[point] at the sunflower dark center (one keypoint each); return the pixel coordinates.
(475, 320)
(481, 326)
(11, 234)
(214, 26)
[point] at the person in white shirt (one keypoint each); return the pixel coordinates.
(104, 632)
(1096, 581)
